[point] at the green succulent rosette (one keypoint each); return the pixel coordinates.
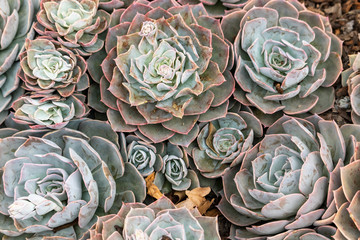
(56, 183)
(75, 24)
(16, 24)
(159, 220)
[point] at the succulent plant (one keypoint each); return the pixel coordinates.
(165, 69)
(48, 67)
(287, 57)
(159, 220)
(75, 24)
(146, 157)
(16, 24)
(225, 141)
(351, 79)
(318, 233)
(287, 181)
(217, 8)
(347, 195)
(49, 111)
(110, 5)
(175, 173)
(63, 178)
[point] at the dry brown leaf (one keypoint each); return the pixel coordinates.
(152, 189)
(213, 213)
(196, 199)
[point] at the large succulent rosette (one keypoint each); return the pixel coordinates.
(351, 79)
(145, 156)
(49, 111)
(47, 67)
(159, 220)
(165, 70)
(347, 195)
(224, 142)
(287, 57)
(287, 181)
(217, 8)
(56, 182)
(75, 24)
(175, 173)
(16, 20)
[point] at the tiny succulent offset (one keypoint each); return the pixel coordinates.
(287, 57)
(351, 79)
(54, 178)
(159, 220)
(108, 107)
(166, 68)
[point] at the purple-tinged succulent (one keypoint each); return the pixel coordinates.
(16, 20)
(50, 111)
(318, 233)
(347, 195)
(159, 220)
(224, 142)
(287, 181)
(110, 5)
(217, 8)
(351, 79)
(75, 24)
(165, 68)
(146, 157)
(175, 173)
(287, 57)
(48, 67)
(63, 179)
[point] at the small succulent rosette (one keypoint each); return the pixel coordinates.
(288, 182)
(159, 220)
(175, 173)
(166, 67)
(287, 58)
(49, 111)
(145, 156)
(48, 67)
(56, 183)
(217, 8)
(17, 18)
(351, 79)
(224, 142)
(75, 24)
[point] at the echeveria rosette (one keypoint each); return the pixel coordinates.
(75, 24)
(50, 111)
(53, 178)
(175, 173)
(145, 156)
(16, 19)
(287, 181)
(351, 79)
(165, 68)
(217, 8)
(159, 220)
(287, 57)
(47, 68)
(224, 142)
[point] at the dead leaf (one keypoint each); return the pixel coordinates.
(152, 189)
(196, 199)
(213, 213)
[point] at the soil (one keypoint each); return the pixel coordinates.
(344, 16)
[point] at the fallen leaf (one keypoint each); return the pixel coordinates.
(152, 189)
(196, 199)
